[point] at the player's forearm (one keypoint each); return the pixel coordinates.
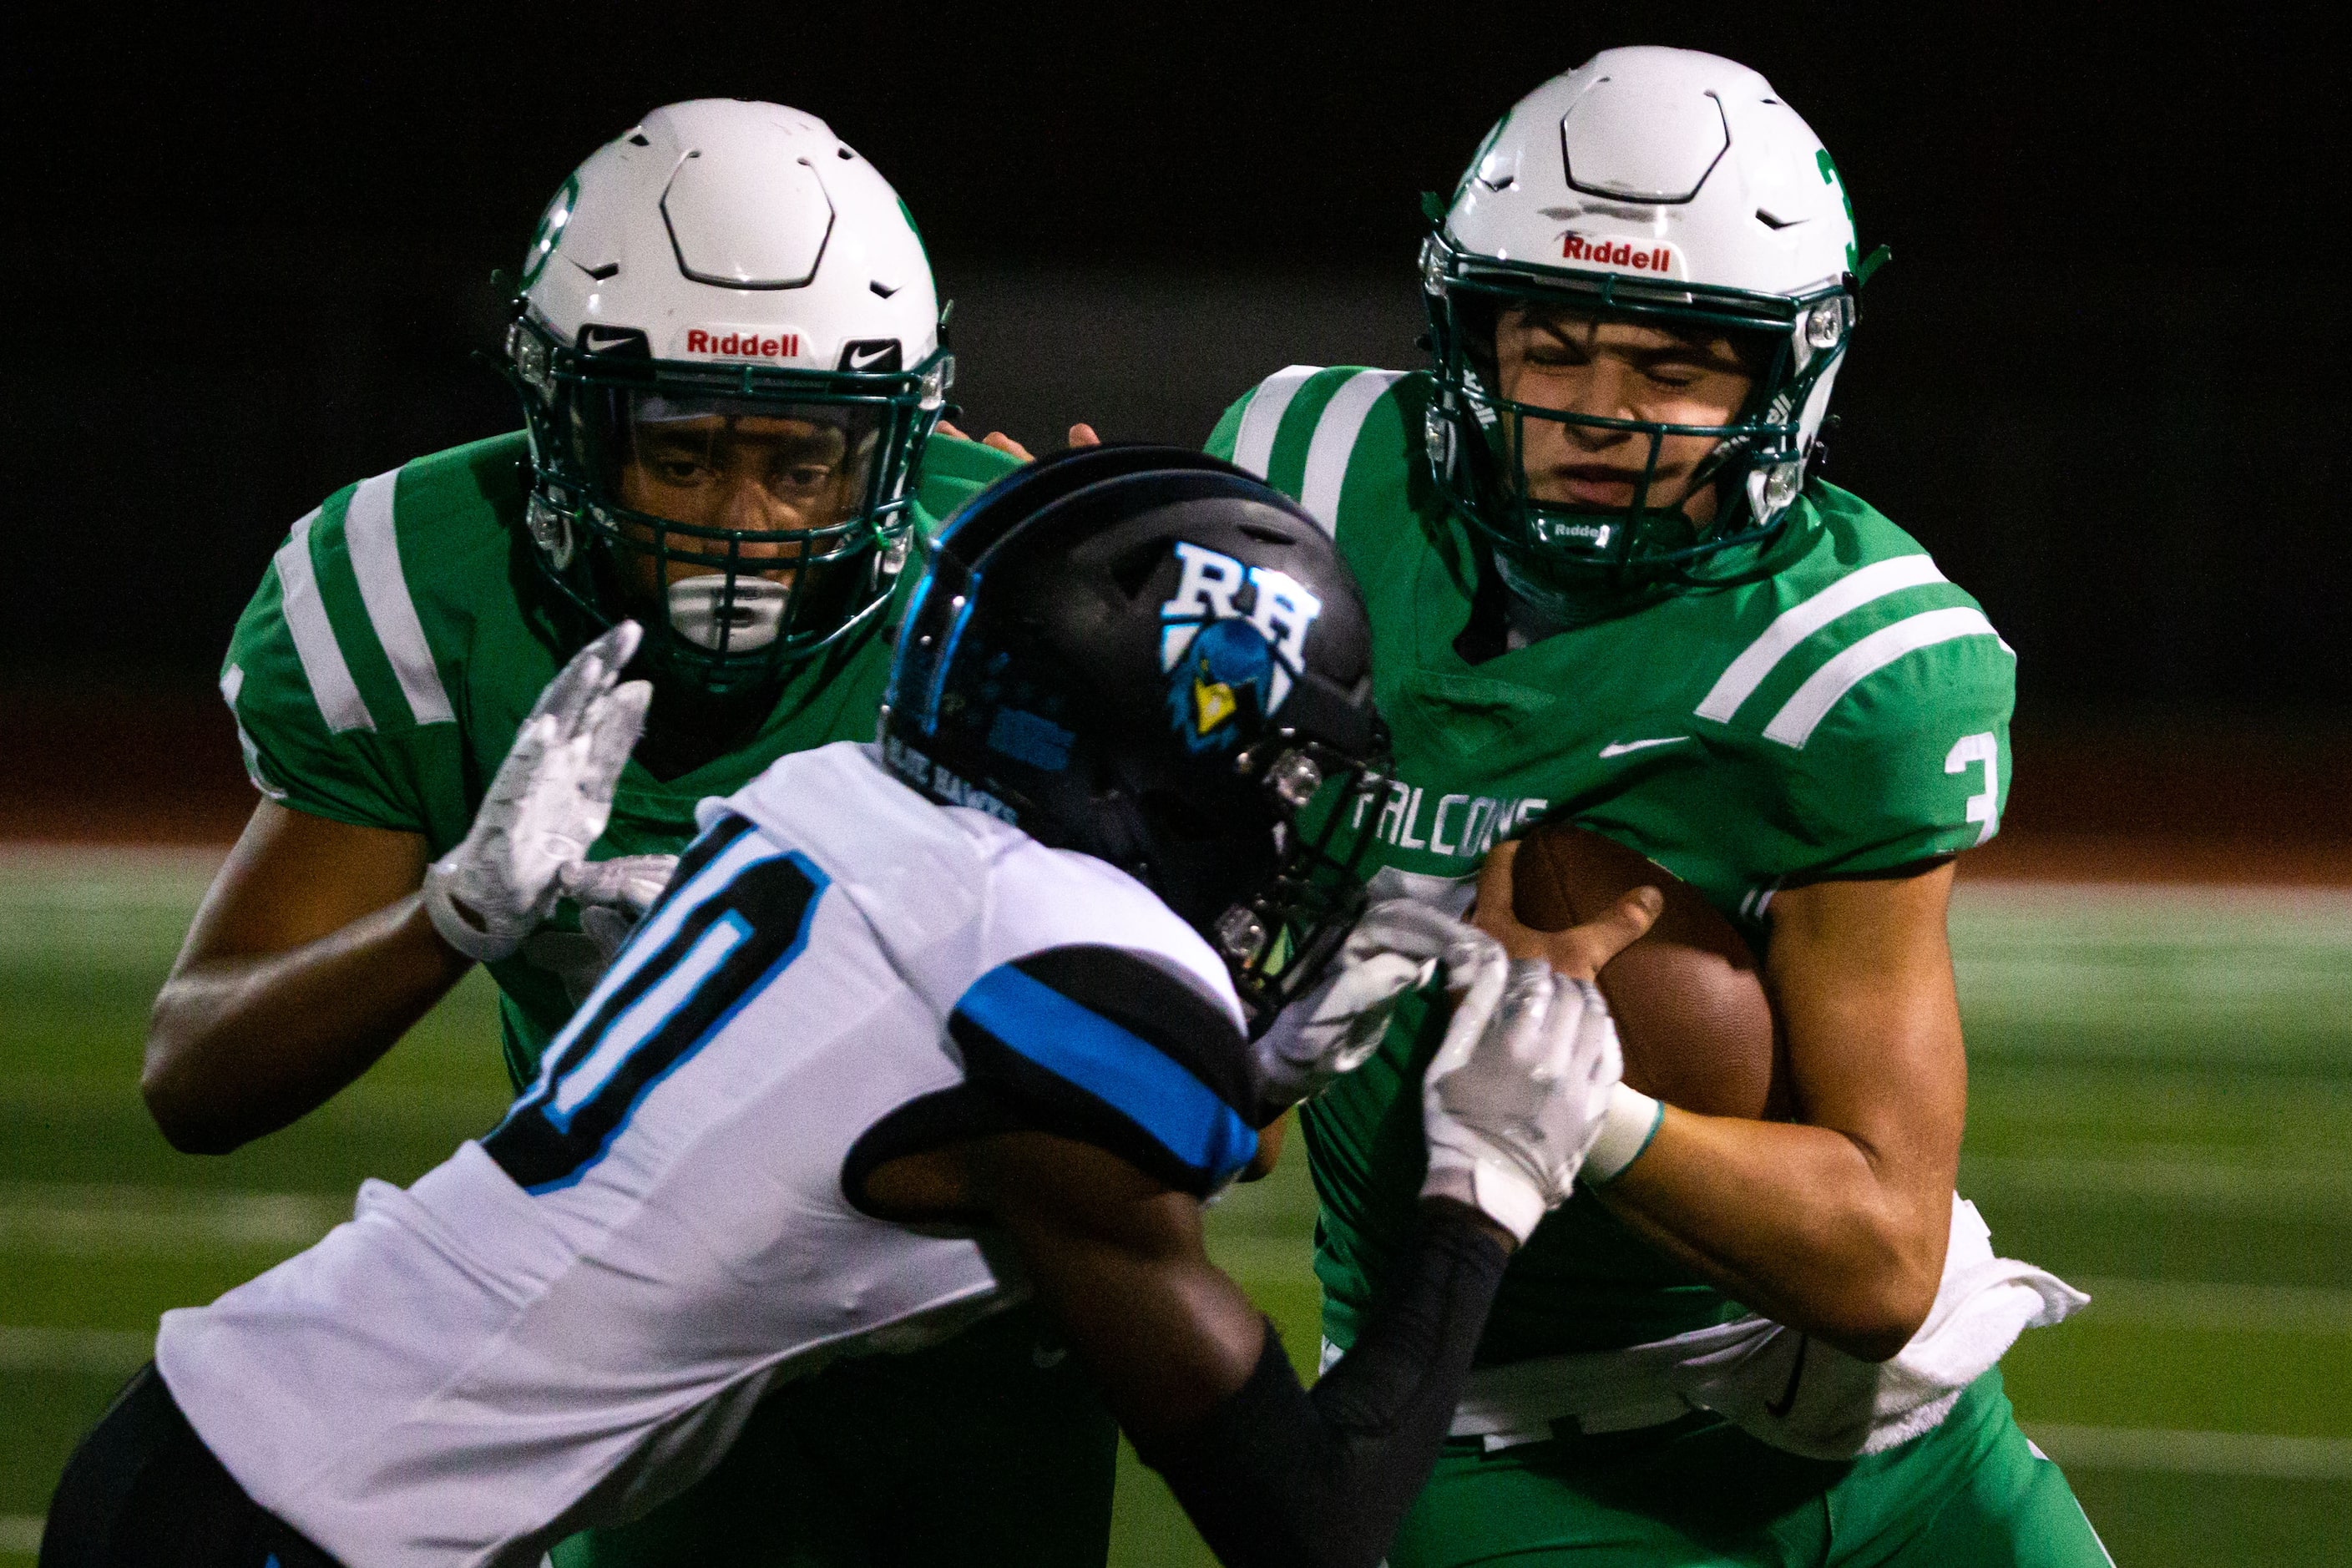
(1798, 1223)
(241, 1046)
(1278, 1475)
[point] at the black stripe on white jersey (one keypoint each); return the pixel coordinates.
(708, 846)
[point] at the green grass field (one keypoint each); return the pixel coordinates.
(2162, 1099)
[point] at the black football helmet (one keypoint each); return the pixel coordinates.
(1146, 654)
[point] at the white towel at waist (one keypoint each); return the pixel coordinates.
(1787, 1388)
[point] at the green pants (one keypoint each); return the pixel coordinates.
(991, 1449)
(1698, 1492)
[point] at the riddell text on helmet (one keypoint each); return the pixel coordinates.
(742, 345)
(1619, 253)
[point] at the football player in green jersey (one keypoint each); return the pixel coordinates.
(727, 347)
(1604, 589)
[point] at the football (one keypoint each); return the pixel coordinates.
(1697, 1029)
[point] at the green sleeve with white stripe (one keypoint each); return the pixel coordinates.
(1893, 716)
(1912, 764)
(1221, 439)
(1272, 432)
(1346, 444)
(308, 733)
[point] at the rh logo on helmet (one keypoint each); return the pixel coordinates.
(1234, 636)
(1623, 255)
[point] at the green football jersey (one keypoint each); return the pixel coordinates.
(399, 638)
(1834, 708)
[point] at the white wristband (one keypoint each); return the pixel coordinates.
(1626, 1129)
(1503, 1196)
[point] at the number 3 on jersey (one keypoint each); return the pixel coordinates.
(736, 914)
(1984, 808)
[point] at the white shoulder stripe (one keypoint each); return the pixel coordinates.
(1335, 442)
(1254, 442)
(314, 636)
(383, 588)
(1793, 724)
(1795, 623)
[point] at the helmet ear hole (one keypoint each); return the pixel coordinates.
(1132, 572)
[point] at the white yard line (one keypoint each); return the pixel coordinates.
(48, 858)
(2183, 1183)
(2220, 1309)
(60, 1216)
(2186, 1306)
(2165, 1304)
(20, 1534)
(2252, 1454)
(116, 1352)
(2022, 896)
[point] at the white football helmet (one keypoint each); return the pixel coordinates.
(1670, 187)
(726, 343)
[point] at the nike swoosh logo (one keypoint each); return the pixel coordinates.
(1778, 1408)
(1619, 748)
(860, 360)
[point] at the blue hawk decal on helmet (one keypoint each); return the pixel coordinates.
(1227, 663)
(1230, 632)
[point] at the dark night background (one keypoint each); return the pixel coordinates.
(2103, 379)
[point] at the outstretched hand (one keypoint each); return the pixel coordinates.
(549, 800)
(1081, 435)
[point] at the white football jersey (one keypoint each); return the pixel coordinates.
(570, 1320)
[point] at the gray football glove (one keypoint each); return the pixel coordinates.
(547, 803)
(626, 885)
(1516, 1095)
(1395, 948)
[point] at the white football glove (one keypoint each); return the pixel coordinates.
(1519, 1091)
(1394, 949)
(547, 803)
(626, 882)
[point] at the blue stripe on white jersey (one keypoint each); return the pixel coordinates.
(1115, 1066)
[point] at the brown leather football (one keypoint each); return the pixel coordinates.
(1698, 1030)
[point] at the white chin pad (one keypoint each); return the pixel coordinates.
(700, 611)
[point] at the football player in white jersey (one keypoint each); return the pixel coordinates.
(915, 1030)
